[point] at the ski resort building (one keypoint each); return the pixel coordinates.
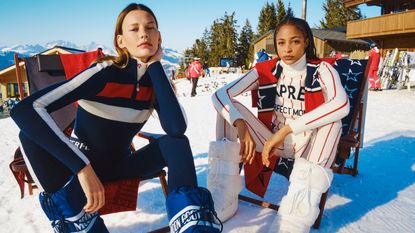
(8, 80)
(394, 28)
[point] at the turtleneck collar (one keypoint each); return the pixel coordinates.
(296, 68)
(141, 66)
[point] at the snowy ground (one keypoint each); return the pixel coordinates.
(380, 199)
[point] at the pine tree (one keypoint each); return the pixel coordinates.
(214, 39)
(280, 12)
(200, 49)
(337, 15)
(267, 18)
(230, 35)
(243, 55)
(290, 12)
(188, 55)
(223, 39)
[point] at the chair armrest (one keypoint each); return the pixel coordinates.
(349, 141)
(149, 136)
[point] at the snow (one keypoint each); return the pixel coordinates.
(381, 198)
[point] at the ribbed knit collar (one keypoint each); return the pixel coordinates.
(297, 68)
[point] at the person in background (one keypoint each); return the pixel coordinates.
(195, 71)
(261, 56)
(373, 69)
(338, 55)
(206, 69)
(173, 73)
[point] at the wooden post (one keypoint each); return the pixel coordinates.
(18, 76)
(304, 12)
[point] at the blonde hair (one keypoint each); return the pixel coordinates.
(123, 55)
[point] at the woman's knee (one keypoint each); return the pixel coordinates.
(181, 140)
(179, 147)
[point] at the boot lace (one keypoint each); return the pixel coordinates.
(58, 223)
(208, 217)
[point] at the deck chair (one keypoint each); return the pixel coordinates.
(353, 75)
(44, 70)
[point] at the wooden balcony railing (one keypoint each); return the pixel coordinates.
(390, 24)
(349, 3)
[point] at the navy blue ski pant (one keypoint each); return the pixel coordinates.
(173, 152)
(166, 151)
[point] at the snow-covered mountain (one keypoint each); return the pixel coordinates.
(27, 49)
(171, 57)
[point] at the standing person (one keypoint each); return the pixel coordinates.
(373, 69)
(186, 72)
(195, 71)
(261, 56)
(301, 103)
(116, 96)
(173, 73)
(206, 69)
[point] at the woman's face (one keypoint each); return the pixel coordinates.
(291, 44)
(140, 35)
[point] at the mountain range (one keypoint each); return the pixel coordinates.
(171, 57)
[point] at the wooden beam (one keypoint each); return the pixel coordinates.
(18, 76)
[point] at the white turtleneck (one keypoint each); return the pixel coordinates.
(297, 67)
(289, 104)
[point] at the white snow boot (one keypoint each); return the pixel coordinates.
(224, 181)
(299, 209)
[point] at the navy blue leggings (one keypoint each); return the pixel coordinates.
(166, 151)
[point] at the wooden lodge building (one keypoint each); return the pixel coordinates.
(8, 81)
(394, 28)
(325, 40)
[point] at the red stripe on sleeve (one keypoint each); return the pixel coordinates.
(347, 100)
(325, 141)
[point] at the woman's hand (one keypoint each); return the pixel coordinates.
(93, 189)
(156, 57)
(248, 145)
(275, 141)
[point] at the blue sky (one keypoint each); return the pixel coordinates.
(83, 21)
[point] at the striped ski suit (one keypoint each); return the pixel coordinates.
(315, 134)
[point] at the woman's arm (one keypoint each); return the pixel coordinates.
(171, 115)
(336, 104)
(32, 115)
(222, 98)
(223, 103)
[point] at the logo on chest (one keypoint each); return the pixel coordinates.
(290, 92)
